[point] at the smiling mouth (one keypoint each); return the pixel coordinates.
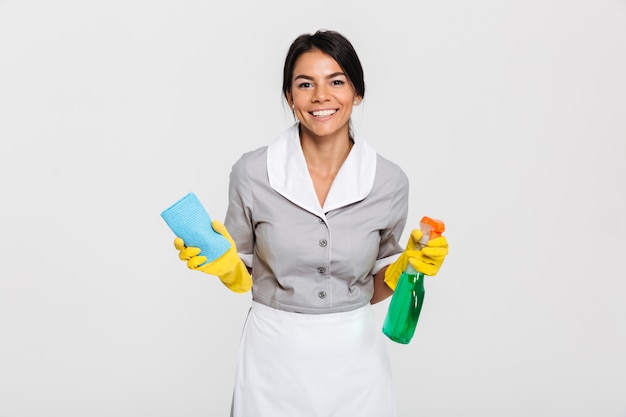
(323, 113)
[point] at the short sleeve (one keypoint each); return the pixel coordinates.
(390, 248)
(239, 221)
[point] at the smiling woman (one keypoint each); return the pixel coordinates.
(316, 217)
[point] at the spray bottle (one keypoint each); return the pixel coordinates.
(408, 297)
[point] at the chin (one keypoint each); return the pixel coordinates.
(326, 130)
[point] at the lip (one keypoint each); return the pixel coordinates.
(329, 113)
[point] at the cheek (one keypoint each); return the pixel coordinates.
(299, 97)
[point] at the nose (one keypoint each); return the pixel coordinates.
(320, 94)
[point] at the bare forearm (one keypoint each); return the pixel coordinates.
(381, 289)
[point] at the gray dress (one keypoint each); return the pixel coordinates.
(310, 345)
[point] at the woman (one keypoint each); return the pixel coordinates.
(316, 217)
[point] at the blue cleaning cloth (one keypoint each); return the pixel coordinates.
(189, 220)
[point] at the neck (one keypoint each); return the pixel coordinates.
(326, 158)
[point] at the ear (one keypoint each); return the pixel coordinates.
(357, 100)
(289, 98)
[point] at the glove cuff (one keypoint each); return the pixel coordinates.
(238, 280)
(393, 271)
(231, 270)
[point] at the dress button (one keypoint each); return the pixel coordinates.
(323, 243)
(321, 294)
(322, 221)
(321, 270)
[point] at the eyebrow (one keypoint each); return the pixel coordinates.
(333, 75)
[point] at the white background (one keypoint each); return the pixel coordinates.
(508, 117)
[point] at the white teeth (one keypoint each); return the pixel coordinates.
(322, 113)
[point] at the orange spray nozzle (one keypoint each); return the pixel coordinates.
(432, 228)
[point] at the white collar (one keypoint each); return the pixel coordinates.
(289, 176)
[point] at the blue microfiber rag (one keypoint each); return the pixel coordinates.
(189, 220)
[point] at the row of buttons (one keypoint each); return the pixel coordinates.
(323, 243)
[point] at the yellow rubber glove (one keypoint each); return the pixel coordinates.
(427, 260)
(229, 267)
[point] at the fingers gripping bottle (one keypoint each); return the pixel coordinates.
(408, 297)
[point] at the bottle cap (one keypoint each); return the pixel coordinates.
(431, 228)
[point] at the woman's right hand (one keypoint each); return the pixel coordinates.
(229, 267)
(187, 253)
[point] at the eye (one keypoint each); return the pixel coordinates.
(304, 85)
(338, 82)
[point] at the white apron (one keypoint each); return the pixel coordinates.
(312, 365)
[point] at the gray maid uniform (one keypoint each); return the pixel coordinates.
(310, 345)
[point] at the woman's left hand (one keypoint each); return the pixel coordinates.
(426, 260)
(429, 259)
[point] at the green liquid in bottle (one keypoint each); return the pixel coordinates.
(405, 306)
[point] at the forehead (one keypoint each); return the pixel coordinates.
(315, 62)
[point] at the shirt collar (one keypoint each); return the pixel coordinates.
(289, 176)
